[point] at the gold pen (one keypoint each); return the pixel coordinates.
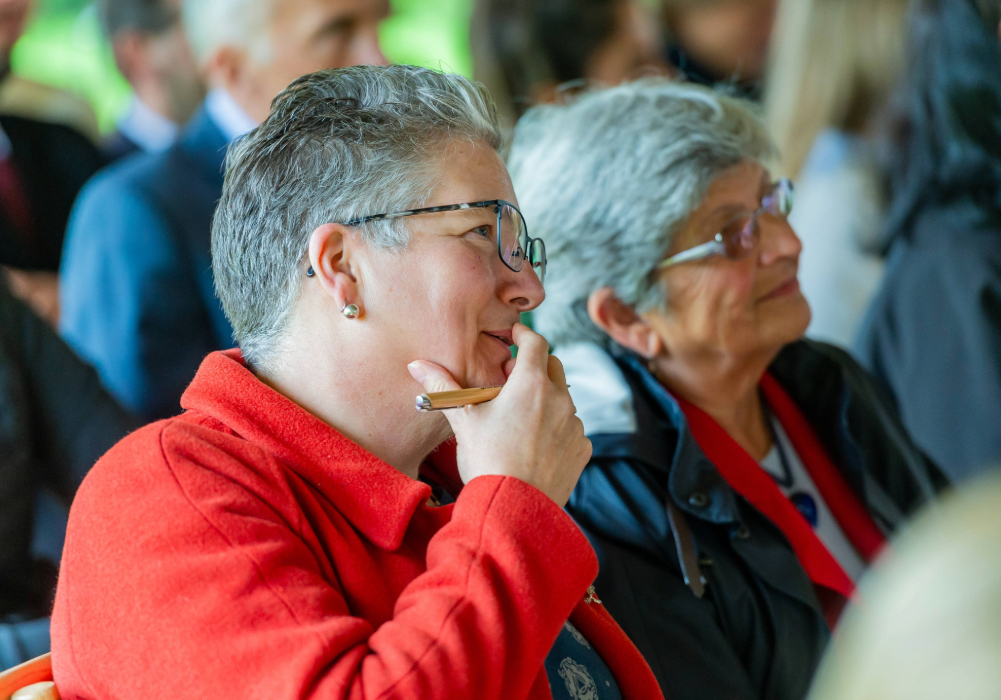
(441, 400)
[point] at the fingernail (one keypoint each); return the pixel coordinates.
(417, 372)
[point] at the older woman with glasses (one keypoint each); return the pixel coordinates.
(742, 478)
(301, 531)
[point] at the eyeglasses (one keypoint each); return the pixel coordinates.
(740, 236)
(514, 245)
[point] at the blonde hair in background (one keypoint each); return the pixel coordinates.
(833, 65)
(929, 624)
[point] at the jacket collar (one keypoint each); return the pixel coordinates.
(374, 497)
(627, 413)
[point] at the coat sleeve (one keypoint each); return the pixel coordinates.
(128, 302)
(215, 592)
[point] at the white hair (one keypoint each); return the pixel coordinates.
(211, 24)
(608, 179)
(338, 145)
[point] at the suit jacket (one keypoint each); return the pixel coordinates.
(136, 294)
(54, 162)
(267, 555)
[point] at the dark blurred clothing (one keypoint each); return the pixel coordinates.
(137, 297)
(650, 489)
(47, 164)
(694, 72)
(55, 422)
(933, 332)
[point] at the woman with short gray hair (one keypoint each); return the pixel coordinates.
(285, 537)
(741, 478)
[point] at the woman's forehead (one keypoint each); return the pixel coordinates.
(471, 172)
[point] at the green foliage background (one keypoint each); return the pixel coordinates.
(64, 47)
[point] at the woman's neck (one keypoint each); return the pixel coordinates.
(370, 405)
(727, 390)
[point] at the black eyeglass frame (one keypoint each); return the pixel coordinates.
(498, 204)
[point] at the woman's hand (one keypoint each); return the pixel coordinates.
(530, 431)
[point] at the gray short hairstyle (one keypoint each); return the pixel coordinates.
(608, 179)
(338, 145)
(210, 24)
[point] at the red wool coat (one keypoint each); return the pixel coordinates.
(246, 549)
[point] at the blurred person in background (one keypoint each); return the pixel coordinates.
(525, 50)
(833, 67)
(55, 421)
(927, 627)
(933, 332)
(152, 52)
(26, 98)
(720, 41)
(137, 291)
(742, 478)
(46, 155)
(287, 533)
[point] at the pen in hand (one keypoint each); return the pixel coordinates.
(441, 400)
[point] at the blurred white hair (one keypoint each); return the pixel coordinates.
(210, 24)
(608, 179)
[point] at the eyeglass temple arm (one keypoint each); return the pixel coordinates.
(705, 250)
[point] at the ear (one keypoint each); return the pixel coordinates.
(329, 256)
(225, 68)
(622, 324)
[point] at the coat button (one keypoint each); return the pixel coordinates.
(743, 532)
(698, 500)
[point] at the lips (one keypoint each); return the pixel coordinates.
(506, 337)
(785, 289)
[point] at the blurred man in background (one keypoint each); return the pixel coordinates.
(44, 161)
(26, 98)
(528, 51)
(716, 41)
(152, 52)
(137, 291)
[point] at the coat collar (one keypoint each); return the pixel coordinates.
(374, 497)
(628, 414)
(204, 144)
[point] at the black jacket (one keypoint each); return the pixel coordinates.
(933, 331)
(55, 421)
(54, 162)
(759, 630)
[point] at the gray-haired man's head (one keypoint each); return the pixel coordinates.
(607, 180)
(338, 145)
(254, 48)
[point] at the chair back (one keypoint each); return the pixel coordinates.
(35, 672)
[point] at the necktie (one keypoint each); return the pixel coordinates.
(14, 201)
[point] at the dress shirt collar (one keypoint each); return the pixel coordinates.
(147, 128)
(230, 117)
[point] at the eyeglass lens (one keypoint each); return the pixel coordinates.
(740, 235)
(514, 244)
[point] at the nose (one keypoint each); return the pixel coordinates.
(522, 290)
(778, 240)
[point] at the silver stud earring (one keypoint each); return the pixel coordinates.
(351, 311)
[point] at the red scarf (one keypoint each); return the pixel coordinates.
(746, 477)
